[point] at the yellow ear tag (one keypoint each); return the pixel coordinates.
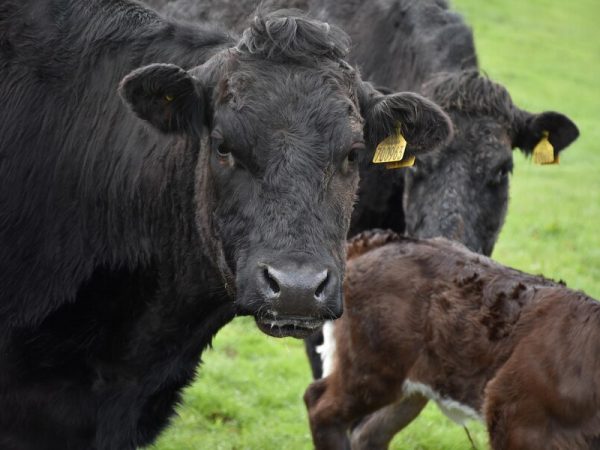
(543, 153)
(391, 149)
(408, 162)
(169, 98)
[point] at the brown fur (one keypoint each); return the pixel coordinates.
(521, 350)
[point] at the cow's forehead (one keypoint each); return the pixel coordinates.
(479, 142)
(267, 81)
(483, 129)
(306, 126)
(291, 98)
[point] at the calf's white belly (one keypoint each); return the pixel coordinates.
(452, 409)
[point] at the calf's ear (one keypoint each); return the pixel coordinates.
(166, 96)
(422, 123)
(529, 129)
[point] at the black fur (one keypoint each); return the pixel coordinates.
(166, 96)
(470, 93)
(125, 244)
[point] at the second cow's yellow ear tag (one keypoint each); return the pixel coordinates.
(391, 149)
(543, 153)
(408, 162)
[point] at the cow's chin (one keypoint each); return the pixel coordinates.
(299, 328)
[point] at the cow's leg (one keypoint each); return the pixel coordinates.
(334, 405)
(514, 416)
(377, 430)
(328, 431)
(117, 418)
(157, 412)
(507, 434)
(314, 358)
(524, 425)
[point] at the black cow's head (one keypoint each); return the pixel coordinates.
(283, 119)
(461, 192)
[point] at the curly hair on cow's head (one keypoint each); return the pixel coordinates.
(471, 93)
(290, 35)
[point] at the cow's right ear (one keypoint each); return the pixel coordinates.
(423, 124)
(166, 96)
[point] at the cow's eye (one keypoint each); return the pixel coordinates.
(219, 146)
(222, 151)
(355, 151)
(223, 154)
(502, 173)
(352, 155)
(488, 136)
(351, 158)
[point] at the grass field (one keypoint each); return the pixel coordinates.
(547, 52)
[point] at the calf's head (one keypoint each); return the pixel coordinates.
(281, 120)
(461, 192)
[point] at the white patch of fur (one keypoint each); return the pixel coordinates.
(328, 348)
(454, 410)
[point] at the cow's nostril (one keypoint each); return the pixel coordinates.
(273, 285)
(322, 286)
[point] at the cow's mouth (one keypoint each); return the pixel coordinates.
(297, 327)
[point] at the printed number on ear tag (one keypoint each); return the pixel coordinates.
(543, 153)
(391, 149)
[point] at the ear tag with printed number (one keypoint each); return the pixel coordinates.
(390, 152)
(543, 153)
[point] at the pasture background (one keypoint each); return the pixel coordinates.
(248, 394)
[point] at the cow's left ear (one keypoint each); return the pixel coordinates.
(530, 128)
(166, 96)
(422, 123)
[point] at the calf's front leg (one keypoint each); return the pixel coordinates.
(327, 428)
(334, 403)
(376, 431)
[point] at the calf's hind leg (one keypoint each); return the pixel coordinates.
(515, 413)
(376, 431)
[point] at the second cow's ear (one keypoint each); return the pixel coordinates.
(423, 124)
(166, 96)
(529, 129)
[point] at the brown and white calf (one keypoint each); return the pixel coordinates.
(431, 320)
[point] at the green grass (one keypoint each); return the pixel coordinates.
(547, 52)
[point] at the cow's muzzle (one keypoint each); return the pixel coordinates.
(296, 295)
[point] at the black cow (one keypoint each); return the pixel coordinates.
(461, 192)
(125, 244)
